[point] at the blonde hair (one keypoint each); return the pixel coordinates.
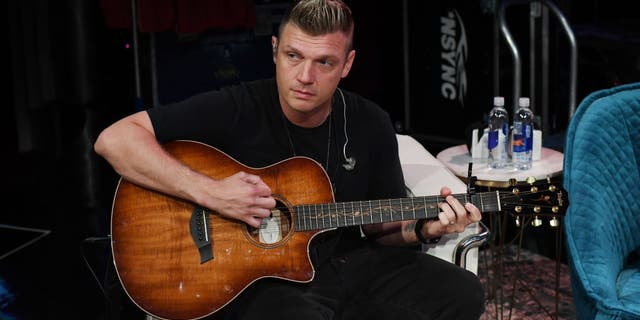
(318, 17)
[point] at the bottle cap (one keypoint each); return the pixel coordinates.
(498, 101)
(523, 102)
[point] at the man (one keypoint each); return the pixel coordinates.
(303, 113)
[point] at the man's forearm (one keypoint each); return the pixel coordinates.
(132, 150)
(392, 233)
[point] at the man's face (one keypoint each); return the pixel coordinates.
(308, 70)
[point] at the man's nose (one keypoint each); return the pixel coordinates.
(306, 73)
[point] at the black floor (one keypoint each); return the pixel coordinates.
(50, 278)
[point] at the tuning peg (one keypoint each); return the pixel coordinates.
(554, 222)
(517, 221)
(536, 222)
(530, 180)
(513, 182)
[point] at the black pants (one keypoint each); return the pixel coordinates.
(370, 282)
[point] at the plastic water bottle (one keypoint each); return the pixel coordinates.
(522, 139)
(498, 134)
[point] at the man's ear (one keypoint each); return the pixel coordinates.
(348, 63)
(274, 47)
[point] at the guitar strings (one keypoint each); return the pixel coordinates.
(313, 209)
(503, 195)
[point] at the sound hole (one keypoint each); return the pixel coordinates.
(273, 229)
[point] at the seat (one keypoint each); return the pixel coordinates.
(602, 224)
(424, 175)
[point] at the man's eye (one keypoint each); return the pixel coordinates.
(292, 55)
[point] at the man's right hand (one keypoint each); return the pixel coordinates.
(243, 197)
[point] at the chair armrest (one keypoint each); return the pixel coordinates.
(471, 241)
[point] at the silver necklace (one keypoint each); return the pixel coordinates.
(293, 148)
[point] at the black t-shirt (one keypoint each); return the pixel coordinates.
(246, 122)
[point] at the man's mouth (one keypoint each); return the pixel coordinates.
(302, 94)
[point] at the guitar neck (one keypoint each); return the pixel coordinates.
(344, 214)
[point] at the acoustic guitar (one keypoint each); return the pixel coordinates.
(177, 260)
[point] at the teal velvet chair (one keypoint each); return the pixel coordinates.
(602, 224)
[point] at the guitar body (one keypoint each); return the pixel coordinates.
(159, 264)
(176, 260)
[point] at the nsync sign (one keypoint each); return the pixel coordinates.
(450, 67)
(453, 41)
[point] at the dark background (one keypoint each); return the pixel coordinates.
(70, 74)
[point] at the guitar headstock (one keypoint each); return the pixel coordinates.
(537, 199)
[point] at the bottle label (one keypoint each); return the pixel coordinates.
(522, 137)
(528, 138)
(493, 139)
(505, 129)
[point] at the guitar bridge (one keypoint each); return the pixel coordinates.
(199, 228)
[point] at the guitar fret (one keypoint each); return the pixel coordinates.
(335, 209)
(310, 214)
(332, 209)
(435, 207)
(424, 204)
(370, 212)
(313, 217)
(302, 218)
(413, 209)
(298, 225)
(353, 218)
(329, 214)
(386, 213)
(389, 213)
(336, 214)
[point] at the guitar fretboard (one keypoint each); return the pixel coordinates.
(344, 214)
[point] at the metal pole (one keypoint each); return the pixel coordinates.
(534, 14)
(517, 73)
(136, 63)
(152, 61)
(496, 50)
(544, 95)
(574, 55)
(405, 44)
